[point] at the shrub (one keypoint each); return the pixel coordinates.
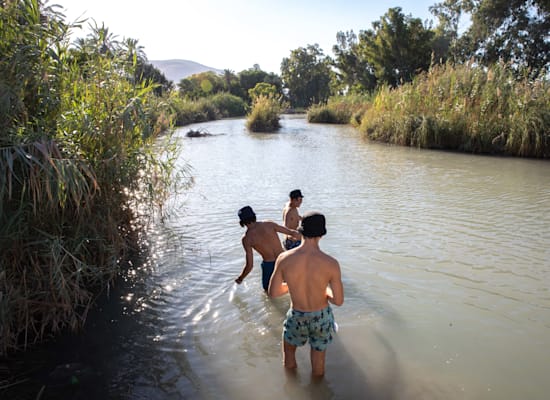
(229, 105)
(264, 116)
(338, 110)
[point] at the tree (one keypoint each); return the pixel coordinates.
(398, 47)
(354, 74)
(102, 40)
(200, 85)
(146, 72)
(131, 50)
(249, 78)
(231, 83)
(515, 31)
(262, 89)
(307, 75)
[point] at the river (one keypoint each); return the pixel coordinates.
(445, 261)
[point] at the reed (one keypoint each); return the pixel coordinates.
(264, 116)
(81, 166)
(338, 110)
(465, 108)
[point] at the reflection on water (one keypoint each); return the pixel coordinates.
(444, 259)
(445, 262)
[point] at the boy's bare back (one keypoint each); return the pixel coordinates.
(307, 272)
(262, 236)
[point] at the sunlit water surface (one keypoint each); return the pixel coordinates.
(445, 261)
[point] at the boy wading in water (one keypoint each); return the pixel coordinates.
(313, 279)
(291, 217)
(261, 236)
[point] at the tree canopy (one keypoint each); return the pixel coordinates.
(354, 73)
(307, 75)
(208, 83)
(515, 31)
(396, 49)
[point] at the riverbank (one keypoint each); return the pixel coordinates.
(463, 108)
(78, 365)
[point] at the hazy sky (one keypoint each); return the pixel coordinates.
(234, 34)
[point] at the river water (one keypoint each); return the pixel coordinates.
(445, 261)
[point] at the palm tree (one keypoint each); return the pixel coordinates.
(102, 40)
(135, 53)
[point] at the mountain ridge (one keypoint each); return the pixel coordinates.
(178, 69)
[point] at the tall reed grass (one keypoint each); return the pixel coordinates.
(79, 157)
(465, 108)
(338, 110)
(265, 114)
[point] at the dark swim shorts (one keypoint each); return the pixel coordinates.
(267, 271)
(290, 244)
(317, 326)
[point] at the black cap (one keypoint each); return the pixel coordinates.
(246, 213)
(295, 194)
(313, 225)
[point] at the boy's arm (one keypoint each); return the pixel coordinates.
(335, 292)
(249, 261)
(290, 232)
(277, 287)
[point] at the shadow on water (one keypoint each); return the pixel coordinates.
(78, 365)
(115, 356)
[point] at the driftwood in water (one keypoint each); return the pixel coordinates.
(197, 133)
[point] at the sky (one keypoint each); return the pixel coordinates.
(234, 34)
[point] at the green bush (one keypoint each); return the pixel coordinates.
(338, 110)
(264, 116)
(204, 109)
(229, 105)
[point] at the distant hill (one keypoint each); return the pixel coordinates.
(175, 70)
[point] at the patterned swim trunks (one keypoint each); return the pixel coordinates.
(315, 326)
(290, 244)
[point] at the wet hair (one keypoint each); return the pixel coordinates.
(295, 194)
(247, 221)
(246, 215)
(313, 225)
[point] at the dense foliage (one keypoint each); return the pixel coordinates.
(264, 116)
(220, 105)
(205, 84)
(307, 75)
(513, 31)
(79, 156)
(464, 108)
(339, 109)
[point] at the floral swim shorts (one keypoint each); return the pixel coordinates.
(315, 326)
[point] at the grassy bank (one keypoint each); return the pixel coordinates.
(221, 105)
(339, 110)
(462, 108)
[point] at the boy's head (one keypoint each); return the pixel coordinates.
(246, 216)
(313, 225)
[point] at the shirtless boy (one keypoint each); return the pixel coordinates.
(261, 236)
(291, 218)
(313, 279)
